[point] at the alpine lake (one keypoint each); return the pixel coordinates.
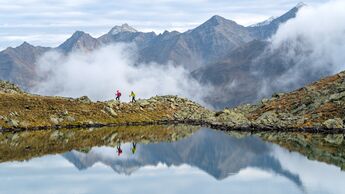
(170, 159)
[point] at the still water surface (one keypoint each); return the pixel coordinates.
(208, 161)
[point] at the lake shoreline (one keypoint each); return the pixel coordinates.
(316, 108)
(198, 123)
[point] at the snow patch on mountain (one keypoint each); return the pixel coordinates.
(123, 28)
(300, 5)
(264, 23)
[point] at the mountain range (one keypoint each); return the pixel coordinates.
(219, 52)
(211, 151)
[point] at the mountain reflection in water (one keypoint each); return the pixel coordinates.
(212, 151)
(208, 161)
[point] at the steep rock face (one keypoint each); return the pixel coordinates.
(18, 65)
(254, 71)
(127, 34)
(207, 42)
(266, 29)
(161, 48)
(79, 41)
(232, 78)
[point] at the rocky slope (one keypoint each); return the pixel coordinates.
(318, 107)
(315, 107)
(20, 110)
(192, 49)
(18, 65)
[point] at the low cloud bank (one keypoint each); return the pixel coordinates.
(98, 74)
(312, 46)
(303, 50)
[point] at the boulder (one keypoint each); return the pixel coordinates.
(65, 113)
(84, 99)
(335, 139)
(15, 137)
(8, 87)
(113, 103)
(24, 124)
(70, 119)
(56, 135)
(110, 111)
(12, 123)
(335, 123)
(264, 101)
(112, 137)
(54, 120)
(269, 118)
(143, 103)
(14, 114)
(232, 118)
(277, 95)
(337, 96)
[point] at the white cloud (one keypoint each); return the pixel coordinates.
(100, 73)
(313, 45)
(157, 15)
(311, 172)
(320, 32)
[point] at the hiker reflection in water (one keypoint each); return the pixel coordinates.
(119, 150)
(134, 147)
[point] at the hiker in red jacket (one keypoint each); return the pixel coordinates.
(118, 95)
(119, 150)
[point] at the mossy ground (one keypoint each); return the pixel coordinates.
(313, 104)
(31, 111)
(30, 144)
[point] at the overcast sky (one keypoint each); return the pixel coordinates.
(50, 22)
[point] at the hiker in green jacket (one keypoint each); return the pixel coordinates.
(134, 147)
(133, 96)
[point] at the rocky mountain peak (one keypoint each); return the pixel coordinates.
(123, 28)
(25, 44)
(266, 29)
(218, 20)
(300, 5)
(78, 34)
(79, 40)
(23, 47)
